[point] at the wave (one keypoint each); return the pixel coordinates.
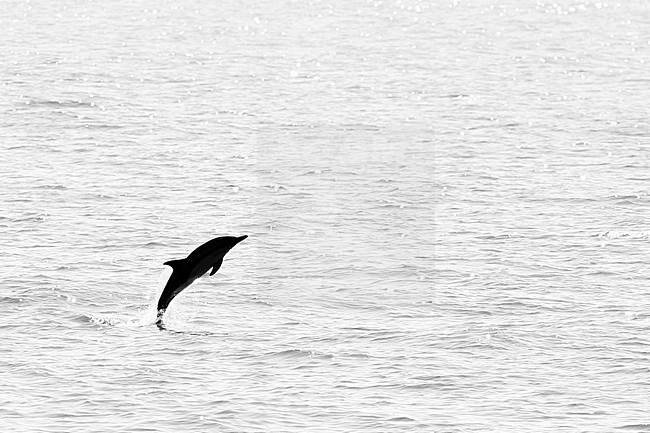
(616, 234)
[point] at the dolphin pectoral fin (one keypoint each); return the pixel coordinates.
(174, 263)
(216, 267)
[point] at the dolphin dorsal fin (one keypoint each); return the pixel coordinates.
(175, 264)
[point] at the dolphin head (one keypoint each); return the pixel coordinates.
(228, 242)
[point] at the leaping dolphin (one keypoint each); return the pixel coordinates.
(209, 255)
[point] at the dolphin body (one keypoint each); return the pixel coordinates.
(209, 255)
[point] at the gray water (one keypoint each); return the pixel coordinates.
(446, 203)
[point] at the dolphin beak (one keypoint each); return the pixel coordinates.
(241, 238)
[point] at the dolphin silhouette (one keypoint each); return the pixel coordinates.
(209, 255)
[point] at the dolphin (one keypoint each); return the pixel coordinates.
(209, 255)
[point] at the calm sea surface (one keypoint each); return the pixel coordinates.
(447, 207)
